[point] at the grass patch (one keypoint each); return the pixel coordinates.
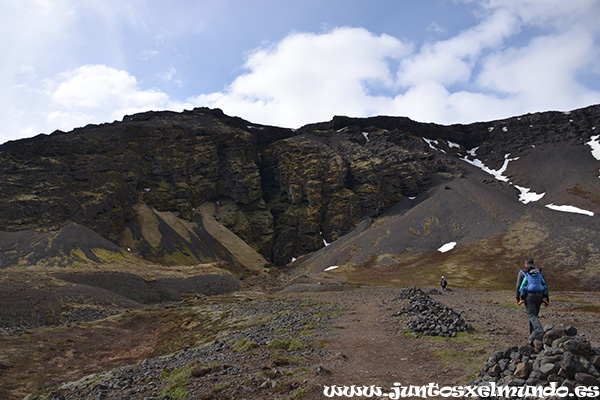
(178, 379)
(311, 325)
(469, 359)
(282, 359)
(467, 338)
(591, 308)
(218, 387)
(409, 333)
(244, 345)
(333, 313)
(289, 344)
(298, 394)
(201, 370)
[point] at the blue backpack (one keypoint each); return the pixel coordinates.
(535, 283)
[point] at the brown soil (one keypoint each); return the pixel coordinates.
(364, 345)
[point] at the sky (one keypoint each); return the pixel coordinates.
(69, 63)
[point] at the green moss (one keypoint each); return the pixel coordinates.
(180, 257)
(87, 382)
(112, 257)
(79, 254)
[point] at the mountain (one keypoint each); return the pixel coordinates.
(374, 197)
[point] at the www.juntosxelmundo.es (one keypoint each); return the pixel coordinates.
(431, 390)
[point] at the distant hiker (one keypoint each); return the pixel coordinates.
(533, 291)
(443, 283)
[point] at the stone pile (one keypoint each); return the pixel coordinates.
(430, 317)
(556, 354)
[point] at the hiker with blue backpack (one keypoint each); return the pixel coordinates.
(533, 291)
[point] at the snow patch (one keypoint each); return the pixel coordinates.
(366, 135)
(447, 247)
(429, 142)
(504, 129)
(594, 143)
(527, 196)
(497, 173)
(453, 145)
(331, 268)
(570, 209)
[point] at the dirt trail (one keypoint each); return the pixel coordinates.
(371, 348)
(374, 348)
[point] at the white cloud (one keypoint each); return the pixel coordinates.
(97, 93)
(476, 75)
(545, 71)
(479, 73)
(451, 61)
(310, 77)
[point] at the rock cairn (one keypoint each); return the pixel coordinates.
(430, 317)
(556, 354)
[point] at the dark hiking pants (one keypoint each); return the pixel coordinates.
(533, 302)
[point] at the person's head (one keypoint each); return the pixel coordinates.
(529, 262)
(529, 265)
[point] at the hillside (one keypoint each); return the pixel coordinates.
(197, 254)
(201, 187)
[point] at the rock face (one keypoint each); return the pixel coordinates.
(139, 183)
(282, 192)
(556, 355)
(117, 178)
(320, 184)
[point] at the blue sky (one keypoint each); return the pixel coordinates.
(67, 63)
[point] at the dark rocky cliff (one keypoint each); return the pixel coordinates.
(142, 182)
